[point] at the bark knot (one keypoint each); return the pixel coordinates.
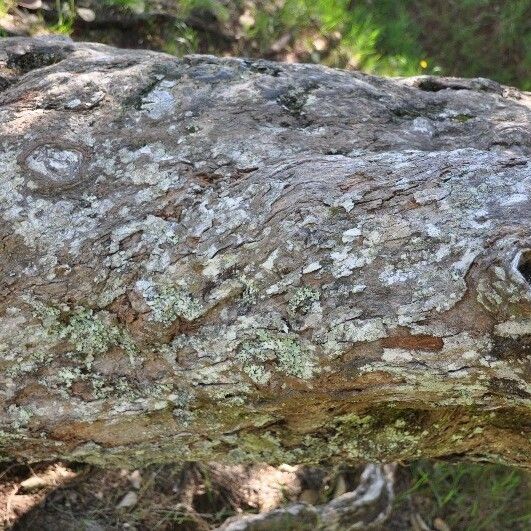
(54, 166)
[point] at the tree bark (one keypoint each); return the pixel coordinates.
(230, 260)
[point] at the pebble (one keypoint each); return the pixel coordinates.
(129, 500)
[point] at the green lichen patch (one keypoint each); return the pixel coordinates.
(462, 118)
(20, 416)
(250, 291)
(302, 299)
(265, 447)
(168, 303)
(120, 389)
(47, 315)
(29, 363)
(90, 333)
(284, 351)
(392, 433)
(294, 99)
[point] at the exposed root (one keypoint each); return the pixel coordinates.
(366, 507)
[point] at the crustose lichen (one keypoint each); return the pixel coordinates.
(168, 303)
(287, 353)
(302, 299)
(89, 333)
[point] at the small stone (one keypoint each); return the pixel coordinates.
(30, 4)
(418, 524)
(129, 500)
(32, 483)
(284, 467)
(55, 164)
(310, 268)
(73, 104)
(440, 525)
(86, 14)
(136, 479)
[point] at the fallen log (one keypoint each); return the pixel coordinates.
(237, 261)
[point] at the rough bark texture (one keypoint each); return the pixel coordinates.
(231, 260)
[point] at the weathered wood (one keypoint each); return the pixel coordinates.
(221, 259)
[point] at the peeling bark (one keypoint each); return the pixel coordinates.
(231, 260)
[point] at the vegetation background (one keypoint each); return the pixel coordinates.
(486, 38)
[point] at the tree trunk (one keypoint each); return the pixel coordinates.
(229, 260)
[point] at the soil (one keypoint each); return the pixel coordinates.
(82, 497)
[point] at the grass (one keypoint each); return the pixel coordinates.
(132, 5)
(66, 15)
(490, 38)
(471, 497)
(332, 32)
(487, 38)
(6, 6)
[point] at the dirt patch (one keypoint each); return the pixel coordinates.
(428, 495)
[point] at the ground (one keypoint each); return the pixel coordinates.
(429, 495)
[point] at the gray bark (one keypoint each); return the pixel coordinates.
(229, 260)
